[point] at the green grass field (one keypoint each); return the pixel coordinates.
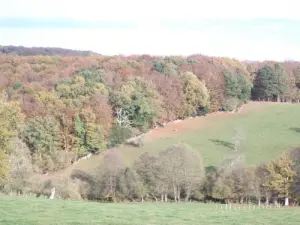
(269, 129)
(32, 211)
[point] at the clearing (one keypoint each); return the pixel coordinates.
(265, 130)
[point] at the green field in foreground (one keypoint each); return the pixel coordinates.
(32, 211)
(269, 129)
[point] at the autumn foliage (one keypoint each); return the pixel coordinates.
(71, 103)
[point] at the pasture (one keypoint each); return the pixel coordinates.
(265, 129)
(32, 211)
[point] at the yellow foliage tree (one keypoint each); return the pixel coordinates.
(281, 177)
(195, 93)
(11, 118)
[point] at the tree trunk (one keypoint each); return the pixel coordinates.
(64, 141)
(153, 197)
(166, 197)
(178, 195)
(187, 197)
(286, 201)
(110, 183)
(259, 202)
(162, 197)
(175, 193)
(142, 198)
(242, 200)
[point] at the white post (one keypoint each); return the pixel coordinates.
(286, 201)
(52, 193)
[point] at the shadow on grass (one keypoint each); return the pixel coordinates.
(210, 169)
(296, 129)
(223, 143)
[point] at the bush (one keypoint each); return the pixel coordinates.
(65, 188)
(136, 141)
(202, 111)
(231, 104)
(197, 195)
(118, 135)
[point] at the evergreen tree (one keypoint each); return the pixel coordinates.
(245, 86)
(90, 134)
(237, 90)
(231, 85)
(79, 128)
(118, 135)
(94, 137)
(270, 82)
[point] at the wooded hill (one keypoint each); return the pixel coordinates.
(55, 109)
(25, 51)
(74, 105)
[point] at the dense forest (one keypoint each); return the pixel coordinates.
(55, 109)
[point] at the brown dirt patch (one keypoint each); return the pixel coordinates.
(192, 124)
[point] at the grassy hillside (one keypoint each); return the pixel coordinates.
(31, 211)
(267, 130)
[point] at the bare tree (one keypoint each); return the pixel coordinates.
(108, 172)
(130, 185)
(122, 118)
(243, 177)
(295, 155)
(147, 168)
(259, 190)
(230, 183)
(183, 169)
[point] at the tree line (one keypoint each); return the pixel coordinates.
(179, 174)
(176, 174)
(25, 51)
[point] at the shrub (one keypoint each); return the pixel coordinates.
(118, 135)
(231, 104)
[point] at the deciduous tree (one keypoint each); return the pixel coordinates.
(139, 100)
(195, 94)
(42, 136)
(281, 176)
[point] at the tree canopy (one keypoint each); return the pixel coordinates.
(270, 82)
